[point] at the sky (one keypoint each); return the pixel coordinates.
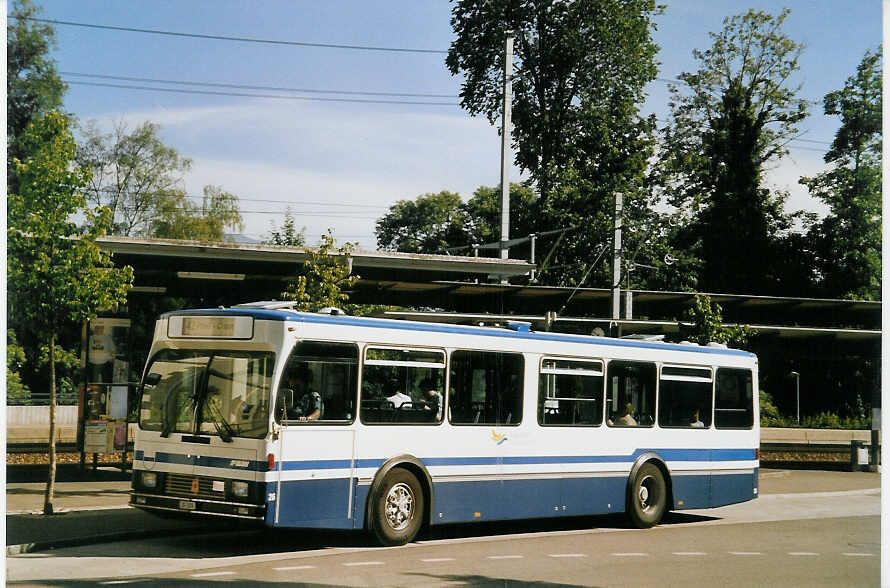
(340, 164)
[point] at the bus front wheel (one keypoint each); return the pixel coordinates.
(648, 497)
(398, 508)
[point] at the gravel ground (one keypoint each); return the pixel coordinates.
(39, 458)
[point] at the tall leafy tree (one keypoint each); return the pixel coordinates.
(580, 71)
(178, 217)
(56, 273)
(33, 85)
(849, 238)
(133, 174)
(429, 224)
(729, 119)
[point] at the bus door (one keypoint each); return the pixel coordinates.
(316, 472)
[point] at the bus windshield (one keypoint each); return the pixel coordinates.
(213, 392)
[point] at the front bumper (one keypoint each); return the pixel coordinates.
(197, 506)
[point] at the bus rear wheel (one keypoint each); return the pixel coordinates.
(648, 497)
(397, 508)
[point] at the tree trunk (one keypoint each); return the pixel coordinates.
(51, 478)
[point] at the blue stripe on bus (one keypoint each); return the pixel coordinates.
(456, 329)
(332, 464)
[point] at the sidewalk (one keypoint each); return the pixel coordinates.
(89, 507)
(92, 506)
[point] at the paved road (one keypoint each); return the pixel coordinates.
(829, 536)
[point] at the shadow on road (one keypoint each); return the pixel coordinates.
(469, 580)
(234, 540)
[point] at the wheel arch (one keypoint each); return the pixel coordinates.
(659, 462)
(413, 465)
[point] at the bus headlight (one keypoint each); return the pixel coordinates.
(148, 479)
(240, 488)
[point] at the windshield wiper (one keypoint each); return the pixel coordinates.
(222, 426)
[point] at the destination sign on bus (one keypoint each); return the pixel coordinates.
(210, 327)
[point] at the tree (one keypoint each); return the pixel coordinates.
(848, 250)
(325, 277)
(177, 217)
(56, 273)
(287, 235)
(735, 114)
(484, 213)
(577, 64)
(705, 325)
(33, 85)
(580, 72)
(429, 224)
(132, 173)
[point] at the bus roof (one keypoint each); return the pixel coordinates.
(506, 332)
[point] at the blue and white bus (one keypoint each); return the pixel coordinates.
(309, 420)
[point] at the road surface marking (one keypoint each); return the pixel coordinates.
(567, 555)
(630, 554)
(690, 553)
(437, 559)
(209, 574)
(290, 568)
(802, 553)
(363, 563)
(506, 556)
(745, 553)
(113, 582)
(859, 554)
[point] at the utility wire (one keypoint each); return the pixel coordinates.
(249, 95)
(238, 39)
(249, 87)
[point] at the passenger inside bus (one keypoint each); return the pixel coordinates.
(696, 421)
(625, 419)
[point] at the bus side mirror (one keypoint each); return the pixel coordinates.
(153, 379)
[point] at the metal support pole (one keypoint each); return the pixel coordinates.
(532, 238)
(505, 145)
(616, 258)
(796, 377)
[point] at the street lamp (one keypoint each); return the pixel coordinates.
(796, 377)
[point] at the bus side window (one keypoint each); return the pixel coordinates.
(631, 393)
(734, 402)
(403, 385)
(328, 372)
(486, 388)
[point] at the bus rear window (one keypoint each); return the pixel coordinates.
(734, 399)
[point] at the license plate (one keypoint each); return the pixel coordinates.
(187, 504)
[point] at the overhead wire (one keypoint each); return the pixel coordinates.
(233, 38)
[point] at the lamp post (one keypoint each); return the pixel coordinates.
(796, 377)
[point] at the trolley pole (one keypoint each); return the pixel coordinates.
(505, 145)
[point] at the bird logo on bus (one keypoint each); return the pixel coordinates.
(497, 437)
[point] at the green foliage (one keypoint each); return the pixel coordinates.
(429, 224)
(579, 69)
(180, 218)
(325, 277)
(580, 72)
(56, 273)
(287, 235)
(17, 393)
(705, 325)
(133, 174)
(33, 85)
(67, 366)
(848, 240)
(768, 411)
(737, 114)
